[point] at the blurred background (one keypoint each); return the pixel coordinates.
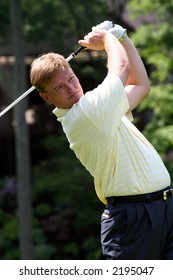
(48, 206)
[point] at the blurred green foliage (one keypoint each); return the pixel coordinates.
(55, 24)
(66, 211)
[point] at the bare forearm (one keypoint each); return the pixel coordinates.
(117, 59)
(138, 74)
(137, 86)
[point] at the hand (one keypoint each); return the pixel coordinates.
(95, 39)
(117, 30)
(105, 25)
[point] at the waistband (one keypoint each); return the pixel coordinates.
(164, 194)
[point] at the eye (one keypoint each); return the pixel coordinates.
(71, 78)
(59, 87)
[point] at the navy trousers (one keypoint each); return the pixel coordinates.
(138, 231)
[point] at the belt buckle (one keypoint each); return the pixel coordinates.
(167, 194)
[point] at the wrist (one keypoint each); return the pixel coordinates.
(118, 31)
(123, 35)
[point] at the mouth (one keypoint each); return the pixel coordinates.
(73, 94)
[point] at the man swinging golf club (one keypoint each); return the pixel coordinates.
(129, 175)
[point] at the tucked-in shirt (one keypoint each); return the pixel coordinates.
(111, 148)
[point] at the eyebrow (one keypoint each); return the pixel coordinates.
(57, 87)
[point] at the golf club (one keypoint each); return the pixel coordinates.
(75, 53)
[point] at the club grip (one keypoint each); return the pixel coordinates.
(80, 49)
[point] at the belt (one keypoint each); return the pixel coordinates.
(163, 194)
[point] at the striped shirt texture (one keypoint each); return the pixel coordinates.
(111, 148)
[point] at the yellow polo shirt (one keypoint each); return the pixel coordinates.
(111, 148)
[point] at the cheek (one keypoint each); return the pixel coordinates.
(46, 97)
(77, 85)
(60, 99)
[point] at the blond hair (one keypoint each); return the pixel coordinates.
(44, 67)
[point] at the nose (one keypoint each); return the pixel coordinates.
(69, 87)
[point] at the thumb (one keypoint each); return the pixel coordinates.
(82, 43)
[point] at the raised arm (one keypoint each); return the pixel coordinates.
(117, 59)
(137, 86)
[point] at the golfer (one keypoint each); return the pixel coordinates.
(129, 175)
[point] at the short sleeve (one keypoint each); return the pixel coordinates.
(106, 105)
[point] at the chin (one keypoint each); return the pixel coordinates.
(76, 99)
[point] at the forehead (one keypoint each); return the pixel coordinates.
(64, 72)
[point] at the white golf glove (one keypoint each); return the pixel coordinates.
(105, 25)
(117, 30)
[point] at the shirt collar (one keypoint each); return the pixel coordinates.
(59, 112)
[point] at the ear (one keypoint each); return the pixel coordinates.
(45, 96)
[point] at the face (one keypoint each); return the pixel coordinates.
(63, 90)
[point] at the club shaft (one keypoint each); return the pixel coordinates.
(75, 53)
(17, 101)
